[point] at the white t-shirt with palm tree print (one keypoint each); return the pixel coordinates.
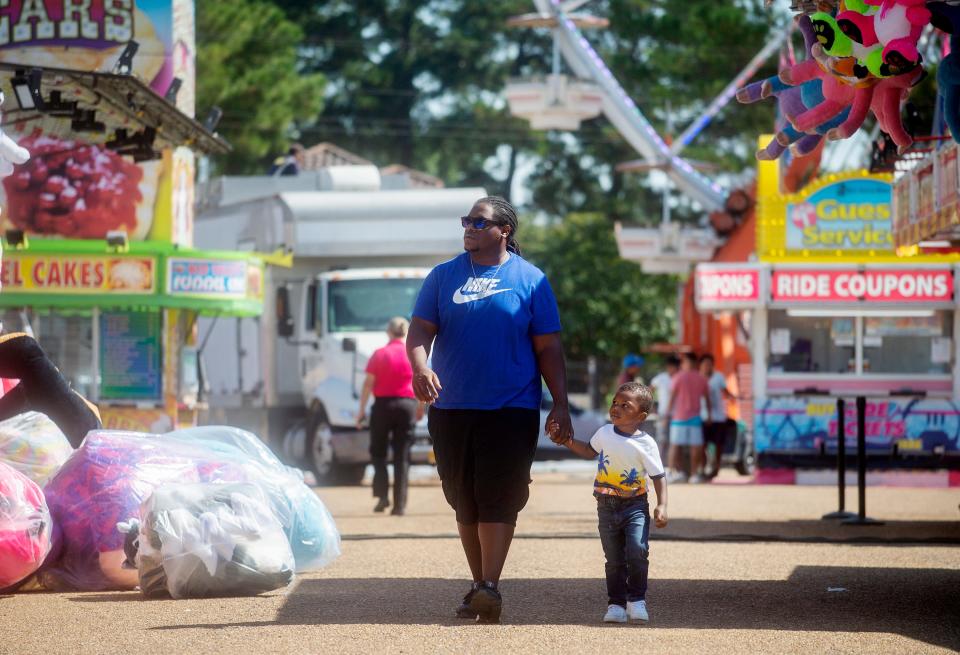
(624, 462)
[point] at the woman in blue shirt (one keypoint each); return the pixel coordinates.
(491, 321)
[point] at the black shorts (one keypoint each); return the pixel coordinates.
(717, 432)
(484, 458)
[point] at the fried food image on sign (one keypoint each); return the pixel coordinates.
(130, 275)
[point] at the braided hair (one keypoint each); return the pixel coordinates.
(505, 214)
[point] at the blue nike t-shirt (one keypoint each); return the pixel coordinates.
(487, 318)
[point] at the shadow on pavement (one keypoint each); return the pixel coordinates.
(926, 533)
(921, 604)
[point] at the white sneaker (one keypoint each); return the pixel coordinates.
(615, 614)
(676, 477)
(637, 611)
(698, 479)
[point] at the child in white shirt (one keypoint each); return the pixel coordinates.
(625, 457)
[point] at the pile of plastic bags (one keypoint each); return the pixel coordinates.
(199, 512)
(108, 479)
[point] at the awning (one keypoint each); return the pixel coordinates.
(115, 102)
(147, 275)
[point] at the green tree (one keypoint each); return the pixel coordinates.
(608, 306)
(247, 64)
(417, 83)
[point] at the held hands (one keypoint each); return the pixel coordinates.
(426, 385)
(558, 426)
(660, 516)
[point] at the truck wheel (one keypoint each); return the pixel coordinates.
(318, 454)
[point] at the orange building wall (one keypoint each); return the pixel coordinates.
(719, 334)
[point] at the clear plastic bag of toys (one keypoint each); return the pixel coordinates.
(34, 445)
(105, 481)
(25, 527)
(204, 540)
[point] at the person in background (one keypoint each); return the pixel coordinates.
(395, 411)
(631, 369)
(661, 383)
(717, 425)
(288, 164)
(687, 391)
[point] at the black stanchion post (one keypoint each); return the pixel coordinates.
(861, 517)
(841, 512)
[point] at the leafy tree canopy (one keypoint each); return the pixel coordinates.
(608, 305)
(247, 64)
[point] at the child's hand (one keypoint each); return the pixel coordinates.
(660, 516)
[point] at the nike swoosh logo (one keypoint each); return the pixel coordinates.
(461, 299)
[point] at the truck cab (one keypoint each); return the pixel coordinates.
(345, 314)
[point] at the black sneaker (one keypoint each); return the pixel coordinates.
(382, 504)
(487, 603)
(464, 611)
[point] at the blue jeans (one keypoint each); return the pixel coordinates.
(624, 525)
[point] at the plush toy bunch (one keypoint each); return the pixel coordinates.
(862, 58)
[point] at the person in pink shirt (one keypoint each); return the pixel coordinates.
(395, 412)
(687, 389)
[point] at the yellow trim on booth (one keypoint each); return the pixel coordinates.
(772, 222)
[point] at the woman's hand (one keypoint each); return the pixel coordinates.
(559, 426)
(361, 417)
(426, 385)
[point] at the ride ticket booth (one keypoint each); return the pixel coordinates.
(833, 312)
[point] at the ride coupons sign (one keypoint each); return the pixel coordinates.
(845, 286)
(852, 214)
(728, 287)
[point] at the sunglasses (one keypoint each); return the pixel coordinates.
(477, 223)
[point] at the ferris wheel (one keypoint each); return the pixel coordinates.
(562, 102)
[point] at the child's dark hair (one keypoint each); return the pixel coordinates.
(673, 360)
(642, 393)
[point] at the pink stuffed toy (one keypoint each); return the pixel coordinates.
(883, 99)
(896, 26)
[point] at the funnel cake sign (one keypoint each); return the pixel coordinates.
(81, 274)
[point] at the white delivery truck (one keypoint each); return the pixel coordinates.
(361, 243)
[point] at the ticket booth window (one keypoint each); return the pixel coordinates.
(911, 344)
(904, 342)
(811, 344)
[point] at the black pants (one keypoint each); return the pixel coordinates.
(391, 423)
(42, 388)
(484, 458)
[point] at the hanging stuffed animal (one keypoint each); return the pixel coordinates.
(946, 17)
(792, 102)
(898, 26)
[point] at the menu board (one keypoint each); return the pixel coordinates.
(130, 362)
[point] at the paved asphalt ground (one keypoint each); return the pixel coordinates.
(740, 569)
